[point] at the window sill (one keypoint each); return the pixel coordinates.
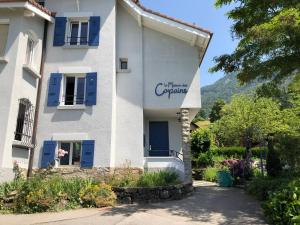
(76, 46)
(32, 71)
(20, 144)
(124, 71)
(71, 107)
(3, 60)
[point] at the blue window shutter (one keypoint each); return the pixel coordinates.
(48, 153)
(94, 30)
(87, 155)
(54, 89)
(91, 89)
(59, 31)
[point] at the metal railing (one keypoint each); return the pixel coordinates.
(72, 40)
(72, 100)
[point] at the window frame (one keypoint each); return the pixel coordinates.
(64, 85)
(5, 22)
(79, 20)
(70, 153)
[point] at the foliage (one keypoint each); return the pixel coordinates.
(268, 33)
(215, 113)
(201, 116)
(158, 179)
(239, 152)
(238, 168)
(283, 206)
(205, 159)
(97, 195)
(202, 140)
(210, 174)
(273, 161)
(263, 116)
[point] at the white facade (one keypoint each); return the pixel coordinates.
(162, 56)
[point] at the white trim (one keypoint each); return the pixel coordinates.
(123, 71)
(74, 70)
(70, 137)
(78, 14)
(4, 21)
(32, 71)
(3, 60)
(71, 107)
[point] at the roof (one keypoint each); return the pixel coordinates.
(137, 2)
(33, 3)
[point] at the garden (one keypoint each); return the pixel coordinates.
(254, 143)
(48, 191)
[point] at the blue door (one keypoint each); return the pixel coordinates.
(159, 139)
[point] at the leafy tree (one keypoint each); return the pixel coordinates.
(269, 39)
(215, 113)
(201, 141)
(201, 116)
(262, 116)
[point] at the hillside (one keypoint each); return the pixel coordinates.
(224, 88)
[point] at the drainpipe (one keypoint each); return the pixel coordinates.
(38, 98)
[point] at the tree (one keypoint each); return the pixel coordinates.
(261, 116)
(269, 39)
(215, 113)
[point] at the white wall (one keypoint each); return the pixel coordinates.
(94, 122)
(16, 83)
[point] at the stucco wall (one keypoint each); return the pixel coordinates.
(168, 59)
(18, 82)
(129, 104)
(93, 123)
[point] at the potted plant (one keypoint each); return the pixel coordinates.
(224, 177)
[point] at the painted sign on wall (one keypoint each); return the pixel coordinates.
(170, 88)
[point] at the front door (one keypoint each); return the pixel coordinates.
(159, 139)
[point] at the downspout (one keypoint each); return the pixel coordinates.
(38, 98)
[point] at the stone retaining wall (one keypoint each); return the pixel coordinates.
(155, 194)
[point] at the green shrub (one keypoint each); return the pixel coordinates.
(283, 206)
(239, 152)
(204, 160)
(273, 165)
(210, 174)
(97, 195)
(201, 141)
(155, 179)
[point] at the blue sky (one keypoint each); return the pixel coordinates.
(204, 14)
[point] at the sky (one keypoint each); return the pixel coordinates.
(204, 14)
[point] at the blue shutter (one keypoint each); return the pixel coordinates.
(59, 31)
(91, 89)
(54, 89)
(48, 153)
(94, 30)
(87, 155)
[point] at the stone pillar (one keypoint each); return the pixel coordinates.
(186, 145)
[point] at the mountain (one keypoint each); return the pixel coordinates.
(223, 88)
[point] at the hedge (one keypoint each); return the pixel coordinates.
(238, 152)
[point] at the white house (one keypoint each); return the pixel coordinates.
(119, 83)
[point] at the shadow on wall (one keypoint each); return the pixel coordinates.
(29, 79)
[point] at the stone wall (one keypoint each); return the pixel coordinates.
(151, 195)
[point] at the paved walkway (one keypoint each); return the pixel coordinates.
(210, 205)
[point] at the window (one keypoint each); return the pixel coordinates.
(3, 38)
(124, 64)
(29, 51)
(74, 153)
(74, 90)
(25, 118)
(78, 32)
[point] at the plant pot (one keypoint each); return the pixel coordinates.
(224, 179)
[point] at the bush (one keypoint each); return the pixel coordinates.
(202, 140)
(273, 161)
(210, 174)
(283, 206)
(239, 152)
(155, 179)
(204, 160)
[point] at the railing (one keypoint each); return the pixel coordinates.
(72, 100)
(162, 153)
(73, 40)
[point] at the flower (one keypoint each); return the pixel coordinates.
(62, 153)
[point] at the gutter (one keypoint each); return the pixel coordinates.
(38, 99)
